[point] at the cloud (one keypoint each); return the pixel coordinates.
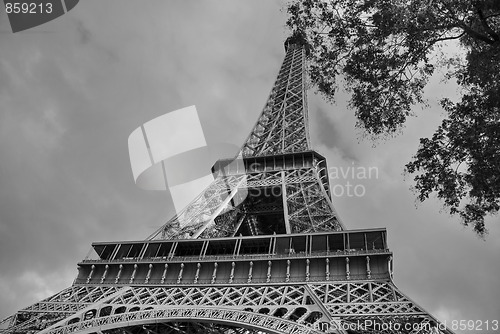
(83, 32)
(71, 96)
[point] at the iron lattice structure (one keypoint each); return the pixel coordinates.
(261, 250)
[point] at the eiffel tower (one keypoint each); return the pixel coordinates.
(260, 250)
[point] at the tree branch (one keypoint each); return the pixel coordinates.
(485, 24)
(471, 32)
(474, 34)
(446, 38)
(492, 15)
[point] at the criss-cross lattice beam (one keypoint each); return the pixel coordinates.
(282, 125)
(265, 323)
(364, 303)
(179, 327)
(370, 305)
(309, 206)
(58, 307)
(214, 200)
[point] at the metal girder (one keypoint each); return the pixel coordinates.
(282, 126)
(308, 205)
(57, 307)
(287, 308)
(245, 319)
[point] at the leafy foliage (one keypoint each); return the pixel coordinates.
(384, 50)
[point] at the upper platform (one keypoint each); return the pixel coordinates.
(279, 258)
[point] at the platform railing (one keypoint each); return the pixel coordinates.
(209, 258)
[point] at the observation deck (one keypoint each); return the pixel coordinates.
(280, 258)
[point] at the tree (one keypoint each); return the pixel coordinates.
(385, 51)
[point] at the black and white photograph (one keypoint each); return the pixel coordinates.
(249, 166)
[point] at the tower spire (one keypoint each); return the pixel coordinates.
(282, 125)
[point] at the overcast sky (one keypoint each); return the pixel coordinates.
(72, 90)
